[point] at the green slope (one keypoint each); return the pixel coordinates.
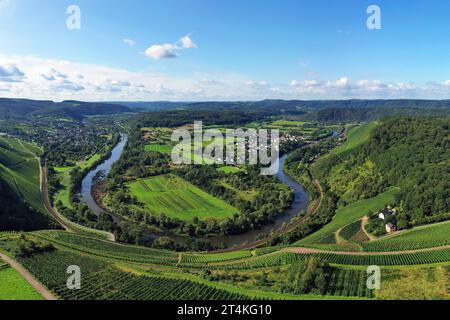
(356, 136)
(351, 213)
(20, 187)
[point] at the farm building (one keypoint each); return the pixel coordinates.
(391, 228)
(386, 213)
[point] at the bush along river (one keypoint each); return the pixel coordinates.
(299, 204)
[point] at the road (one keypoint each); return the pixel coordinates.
(39, 287)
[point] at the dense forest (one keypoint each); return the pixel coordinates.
(410, 153)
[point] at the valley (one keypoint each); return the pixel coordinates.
(158, 230)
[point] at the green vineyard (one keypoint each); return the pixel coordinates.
(348, 283)
(110, 249)
(420, 238)
(405, 259)
(187, 258)
(101, 280)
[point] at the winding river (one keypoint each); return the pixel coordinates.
(105, 167)
(301, 199)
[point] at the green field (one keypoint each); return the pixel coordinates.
(89, 162)
(288, 123)
(161, 148)
(230, 169)
(178, 198)
(19, 168)
(14, 287)
(355, 137)
(351, 213)
(63, 174)
(421, 237)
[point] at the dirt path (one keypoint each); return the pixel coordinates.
(39, 287)
(303, 250)
(365, 220)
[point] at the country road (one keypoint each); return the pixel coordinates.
(39, 287)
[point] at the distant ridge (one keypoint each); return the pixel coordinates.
(19, 108)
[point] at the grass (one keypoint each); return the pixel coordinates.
(288, 123)
(356, 136)
(230, 169)
(178, 198)
(63, 173)
(351, 213)
(161, 148)
(19, 168)
(415, 284)
(14, 287)
(89, 162)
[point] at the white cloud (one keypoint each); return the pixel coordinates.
(168, 50)
(187, 42)
(161, 51)
(10, 73)
(343, 82)
(129, 42)
(37, 78)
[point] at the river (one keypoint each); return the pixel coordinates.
(105, 167)
(300, 202)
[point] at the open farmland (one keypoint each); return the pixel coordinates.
(178, 198)
(63, 174)
(161, 148)
(14, 287)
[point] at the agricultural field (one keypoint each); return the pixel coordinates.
(14, 287)
(418, 238)
(63, 174)
(178, 198)
(230, 169)
(415, 284)
(356, 136)
(19, 168)
(349, 214)
(161, 148)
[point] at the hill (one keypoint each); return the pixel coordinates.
(410, 153)
(20, 194)
(77, 110)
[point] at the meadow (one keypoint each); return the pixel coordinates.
(63, 174)
(14, 287)
(349, 214)
(161, 148)
(356, 136)
(230, 169)
(19, 168)
(178, 198)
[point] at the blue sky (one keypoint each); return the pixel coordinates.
(247, 49)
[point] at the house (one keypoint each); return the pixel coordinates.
(391, 228)
(383, 215)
